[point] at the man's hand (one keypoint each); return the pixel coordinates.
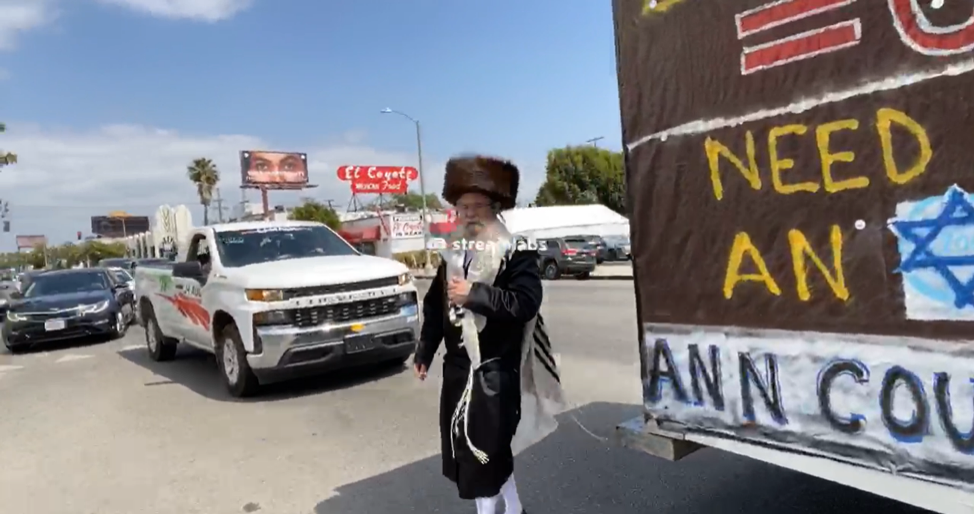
(420, 371)
(457, 291)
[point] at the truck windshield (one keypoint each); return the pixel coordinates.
(245, 247)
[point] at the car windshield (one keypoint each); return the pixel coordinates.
(245, 247)
(122, 275)
(62, 283)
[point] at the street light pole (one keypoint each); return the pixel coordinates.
(422, 185)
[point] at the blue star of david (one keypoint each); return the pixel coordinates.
(957, 212)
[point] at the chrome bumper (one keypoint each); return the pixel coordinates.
(293, 347)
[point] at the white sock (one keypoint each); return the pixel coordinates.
(488, 505)
(512, 502)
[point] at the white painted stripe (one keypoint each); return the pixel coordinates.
(9, 368)
(856, 27)
(887, 84)
(741, 33)
(132, 347)
(69, 358)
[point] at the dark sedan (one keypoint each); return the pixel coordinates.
(68, 304)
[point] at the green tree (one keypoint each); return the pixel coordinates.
(6, 158)
(203, 174)
(410, 201)
(313, 210)
(580, 175)
(38, 257)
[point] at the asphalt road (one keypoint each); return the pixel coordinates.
(101, 429)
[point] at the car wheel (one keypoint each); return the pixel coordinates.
(231, 357)
(119, 325)
(161, 348)
(613, 255)
(551, 271)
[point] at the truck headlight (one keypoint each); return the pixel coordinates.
(272, 318)
(405, 278)
(265, 295)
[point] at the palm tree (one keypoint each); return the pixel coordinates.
(204, 174)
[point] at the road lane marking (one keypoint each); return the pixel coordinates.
(132, 347)
(9, 368)
(69, 358)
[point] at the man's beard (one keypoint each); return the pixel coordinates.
(474, 228)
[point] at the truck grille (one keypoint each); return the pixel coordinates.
(346, 312)
(302, 292)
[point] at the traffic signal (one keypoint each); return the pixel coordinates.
(79, 235)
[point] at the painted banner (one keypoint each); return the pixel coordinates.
(279, 170)
(406, 226)
(378, 179)
(802, 165)
(30, 242)
(907, 404)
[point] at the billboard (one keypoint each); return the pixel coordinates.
(276, 170)
(799, 180)
(31, 242)
(119, 226)
(378, 179)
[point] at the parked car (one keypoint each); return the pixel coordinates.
(123, 276)
(597, 243)
(117, 262)
(277, 298)
(68, 304)
(567, 256)
(617, 248)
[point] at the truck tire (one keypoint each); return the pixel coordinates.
(231, 358)
(550, 270)
(160, 347)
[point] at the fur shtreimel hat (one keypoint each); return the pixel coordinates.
(490, 176)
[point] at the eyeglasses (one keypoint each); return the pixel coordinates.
(472, 207)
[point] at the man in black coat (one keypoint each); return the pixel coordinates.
(480, 408)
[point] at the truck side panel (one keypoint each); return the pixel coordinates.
(799, 181)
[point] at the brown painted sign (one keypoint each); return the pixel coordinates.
(770, 145)
(799, 176)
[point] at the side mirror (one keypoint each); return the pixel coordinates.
(191, 269)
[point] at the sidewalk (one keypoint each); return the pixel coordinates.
(614, 271)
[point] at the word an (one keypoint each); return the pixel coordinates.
(801, 254)
(827, 158)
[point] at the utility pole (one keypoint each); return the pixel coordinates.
(595, 141)
(219, 205)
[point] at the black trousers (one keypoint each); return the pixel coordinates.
(494, 413)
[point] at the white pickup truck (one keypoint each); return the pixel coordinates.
(273, 297)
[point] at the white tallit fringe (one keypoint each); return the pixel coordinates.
(542, 396)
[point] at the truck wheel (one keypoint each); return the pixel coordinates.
(161, 348)
(231, 357)
(551, 271)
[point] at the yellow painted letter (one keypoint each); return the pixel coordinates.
(822, 136)
(742, 245)
(778, 164)
(800, 249)
(884, 120)
(715, 150)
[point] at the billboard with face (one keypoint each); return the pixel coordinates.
(286, 170)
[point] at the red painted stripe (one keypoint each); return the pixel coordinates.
(774, 14)
(777, 53)
(961, 39)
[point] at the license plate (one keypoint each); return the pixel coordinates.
(54, 324)
(359, 343)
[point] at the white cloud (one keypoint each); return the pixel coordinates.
(202, 10)
(19, 16)
(65, 177)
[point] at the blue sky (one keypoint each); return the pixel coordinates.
(106, 101)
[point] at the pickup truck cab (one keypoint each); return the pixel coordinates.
(272, 297)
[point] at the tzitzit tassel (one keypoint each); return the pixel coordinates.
(462, 412)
